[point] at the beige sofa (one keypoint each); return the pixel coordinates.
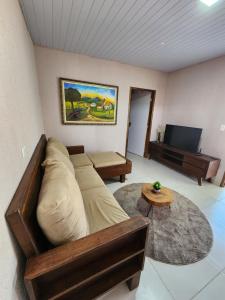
(76, 264)
(74, 200)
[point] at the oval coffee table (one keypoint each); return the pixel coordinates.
(163, 198)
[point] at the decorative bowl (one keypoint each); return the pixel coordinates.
(156, 191)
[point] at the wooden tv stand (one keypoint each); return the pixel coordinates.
(198, 165)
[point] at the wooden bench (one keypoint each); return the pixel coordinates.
(110, 171)
(81, 269)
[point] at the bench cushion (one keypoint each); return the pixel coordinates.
(102, 209)
(60, 210)
(106, 159)
(88, 178)
(57, 144)
(80, 160)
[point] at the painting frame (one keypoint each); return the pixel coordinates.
(112, 108)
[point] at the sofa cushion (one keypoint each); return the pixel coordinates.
(58, 145)
(88, 178)
(80, 160)
(53, 156)
(105, 159)
(102, 209)
(60, 210)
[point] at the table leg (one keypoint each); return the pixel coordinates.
(149, 209)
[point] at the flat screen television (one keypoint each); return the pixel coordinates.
(185, 138)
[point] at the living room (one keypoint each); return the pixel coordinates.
(142, 45)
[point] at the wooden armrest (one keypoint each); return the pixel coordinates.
(67, 268)
(66, 253)
(75, 149)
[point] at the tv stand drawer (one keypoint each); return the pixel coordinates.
(193, 170)
(197, 162)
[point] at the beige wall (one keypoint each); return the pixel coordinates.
(196, 97)
(53, 64)
(20, 125)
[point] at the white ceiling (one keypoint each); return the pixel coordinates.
(161, 34)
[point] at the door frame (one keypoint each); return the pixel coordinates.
(150, 117)
(222, 184)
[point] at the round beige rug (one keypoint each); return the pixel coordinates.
(179, 235)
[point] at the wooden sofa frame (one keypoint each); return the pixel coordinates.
(81, 269)
(110, 171)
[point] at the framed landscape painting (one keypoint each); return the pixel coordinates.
(88, 103)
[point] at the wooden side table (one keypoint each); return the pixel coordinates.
(164, 198)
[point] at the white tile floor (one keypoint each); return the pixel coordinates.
(204, 280)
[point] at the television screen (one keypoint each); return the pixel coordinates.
(185, 138)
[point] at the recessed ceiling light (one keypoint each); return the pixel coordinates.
(162, 43)
(209, 2)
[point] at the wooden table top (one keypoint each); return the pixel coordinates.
(165, 197)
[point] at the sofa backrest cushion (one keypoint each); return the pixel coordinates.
(60, 210)
(53, 156)
(57, 144)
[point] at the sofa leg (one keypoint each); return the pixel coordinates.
(133, 283)
(122, 178)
